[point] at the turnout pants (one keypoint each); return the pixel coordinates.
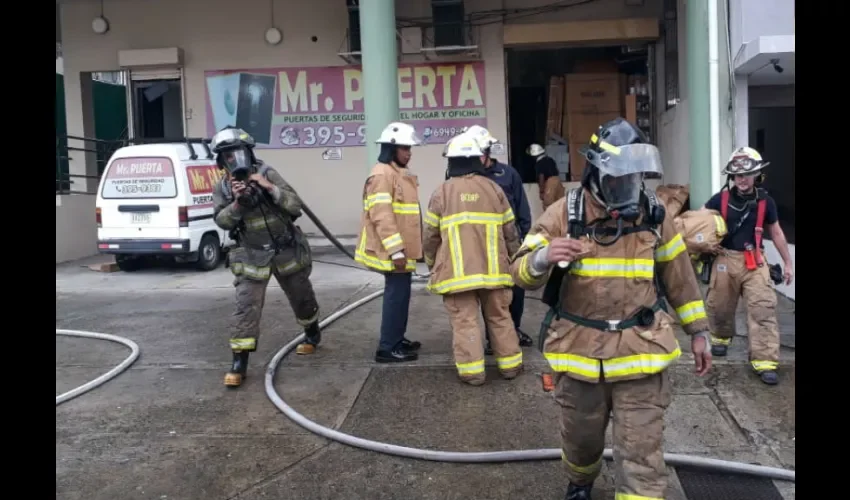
(638, 408)
(730, 280)
(251, 296)
(553, 191)
(468, 345)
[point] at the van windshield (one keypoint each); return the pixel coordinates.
(140, 177)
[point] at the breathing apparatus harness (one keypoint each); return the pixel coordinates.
(261, 199)
(578, 227)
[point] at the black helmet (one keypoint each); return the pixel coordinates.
(618, 158)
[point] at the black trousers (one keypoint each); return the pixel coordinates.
(395, 310)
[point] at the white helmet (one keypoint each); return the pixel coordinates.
(744, 160)
(400, 134)
(462, 146)
(482, 136)
(535, 150)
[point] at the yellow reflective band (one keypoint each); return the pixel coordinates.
(594, 139)
(247, 344)
(670, 250)
(429, 262)
(241, 269)
(761, 366)
(534, 241)
(573, 363)
(691, 312)
(375, 199)
(639, 364)
(627, 496)
(524, 274)
(455, 251)
(720, 224)
(476, 218)
(588, 470)
(614, 268)
(492, 249)
(509, 362)
(431, 219)
(362, 257)
(307, 321)
(720, 341)
(406, 208)
(462, 283)
(473, 368)
(392, 241)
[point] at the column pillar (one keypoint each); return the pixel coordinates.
(699, 119)
(380, 69)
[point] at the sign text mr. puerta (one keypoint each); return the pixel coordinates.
(416, 85)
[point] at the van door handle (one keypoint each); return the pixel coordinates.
(138, 208)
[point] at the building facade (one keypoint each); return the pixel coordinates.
(315, 89)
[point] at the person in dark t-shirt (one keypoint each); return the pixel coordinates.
(740, 269)
(547, 174)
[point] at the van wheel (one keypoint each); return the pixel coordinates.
(128, 263)
(209, 253)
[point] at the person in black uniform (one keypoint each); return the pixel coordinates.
(511, 183)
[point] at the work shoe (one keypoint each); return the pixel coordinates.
(575, 492)
(473, 381)
(488, 349)
(313, 337)
(719, 350)
(238, 371)
(395, 356)
(410, 345)
(524, 339)
(769, 377)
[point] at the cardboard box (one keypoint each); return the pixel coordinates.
(584, 125)
(594, 92)
(555, 110)
(577, 160)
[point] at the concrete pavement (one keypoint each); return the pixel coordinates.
(168, 428)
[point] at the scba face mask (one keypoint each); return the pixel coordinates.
(622, 195)
(238, 162)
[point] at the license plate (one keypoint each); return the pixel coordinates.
(141, 218)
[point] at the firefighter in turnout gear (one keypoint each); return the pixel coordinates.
(740, 269)
(609, 337)
(391, 237)
(470, 234)
(258, 207)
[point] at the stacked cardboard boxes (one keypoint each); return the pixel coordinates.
(590, 99)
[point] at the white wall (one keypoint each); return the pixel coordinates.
(76, 231)
(750, 19)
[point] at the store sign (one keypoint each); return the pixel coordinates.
(140, 177)
(323, 107)
(202, 180)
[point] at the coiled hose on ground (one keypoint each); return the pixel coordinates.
(672, 459)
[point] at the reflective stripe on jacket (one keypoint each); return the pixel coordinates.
(391, 221)
(611, 284)
(470, 234)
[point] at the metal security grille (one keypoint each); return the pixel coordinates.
(703, 486)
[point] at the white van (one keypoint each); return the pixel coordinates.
(156, 200)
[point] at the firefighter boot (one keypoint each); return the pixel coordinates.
(575, 492)
(524, 339)
(719, 350)
(314, 336)
(238, 371)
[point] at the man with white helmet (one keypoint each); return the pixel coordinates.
(740, 268)
(548, 176)
(391, 236)
(470, 234)
(511, 183)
